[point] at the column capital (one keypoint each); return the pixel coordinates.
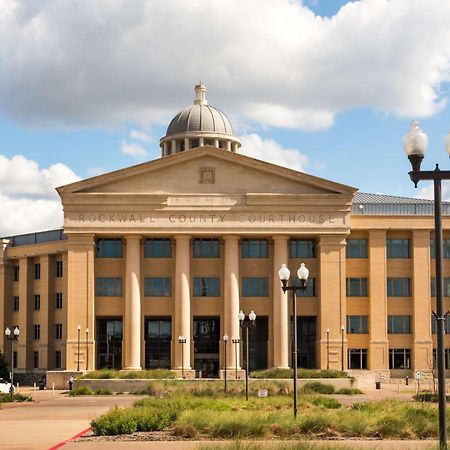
(231, 237)
(333, 239)
(132, 236)
(280, 237)
(182, 237)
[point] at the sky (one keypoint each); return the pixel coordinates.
(328, 87)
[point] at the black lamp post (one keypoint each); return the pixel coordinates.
(87, 349)
(182, 341)
(328, 349)
(342, 347)
(225, 342)
(303, 274)
(415, 144)
(246, 324)
(78, 347)
(235, 340)
(14, 338)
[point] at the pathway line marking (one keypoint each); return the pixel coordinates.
(73, 438)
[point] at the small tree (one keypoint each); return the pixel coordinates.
(4, 370)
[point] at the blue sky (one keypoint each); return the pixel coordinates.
(324, 86)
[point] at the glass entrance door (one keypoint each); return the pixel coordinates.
(306, 329)
(258, 340)
(158, 339)
(109, 343)
(206, 346)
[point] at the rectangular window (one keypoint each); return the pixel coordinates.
(254, 248)
(255, 287)
(59, 300)
(157, 248)
(397, 248)
(399, 358)
(310, 287)
(37, 332)
(16, 303)
(356, 248)
(357, 325)
(399, 287)
(434, 326)
(37, 302)
(445, 248)
(16, 273)
(58, 359)
(357, 358)
(108, 287)
(37, 271)
(446, 285)
(302, 248)
(206, 287)
(109, 248)
(357, 287)
(206, 248)
(399, 324)
(58, 331)
(59, 269)
(36, 360)
(158, 287)
(446, 358)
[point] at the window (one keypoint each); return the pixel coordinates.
(16, 303)
(37, 332)
(58, 331)
(446, 358)
(157, 248)
(399, 287)
(434, 326)
(357, 358)
(37, 271)
(357, 325)
(399, 324)
(399, 358)
(254, 248)
(158, 287)
(356, 248)
(397, 248)
(109, 248)
(37, 302)
(302, 248)
(206, 248)
(16, 273)
(310, 287)
(58, 359)
(445, 248)
(255, 287)
(357, 287)
(36, 360)
(445, 292)
(59, 269)
(59, 300)
(108, 287)
(206, 287)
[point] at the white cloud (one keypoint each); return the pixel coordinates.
(269, 150)
(140, 135)
(133, 149)
(84, 62)
(28, 198)
(428, 191)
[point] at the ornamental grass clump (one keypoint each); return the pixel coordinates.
(315, 387)
(80, 390)
(301, 373)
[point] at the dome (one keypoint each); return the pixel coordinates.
(200, 117)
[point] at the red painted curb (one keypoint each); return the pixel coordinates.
(73, 438)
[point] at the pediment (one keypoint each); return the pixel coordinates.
(206, 170)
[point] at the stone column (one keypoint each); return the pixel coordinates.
(332, 299)
(173, 145)
(379, 344)
(216, 143)
(280, 305)
(23, 345)
(231, 297)
(182, 319)
(201, 142)
(132, 325)
(422, 353)
(186, 144)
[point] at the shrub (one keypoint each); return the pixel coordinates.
(349, 391)
(315, 387)
(301, 373)
(103, 392)
(328, 403)
(80, 390)
(133, 374)
(6, 398)
(429, 397)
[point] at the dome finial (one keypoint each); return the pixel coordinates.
(200, 93)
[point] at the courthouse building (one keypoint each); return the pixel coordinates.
(179, 245)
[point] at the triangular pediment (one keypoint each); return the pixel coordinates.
(205, 170)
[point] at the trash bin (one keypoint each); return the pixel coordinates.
(377, 384)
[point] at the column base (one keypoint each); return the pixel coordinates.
(189, 374)
(232, 375)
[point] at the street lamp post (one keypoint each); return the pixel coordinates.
(415, 144)
(15, 337)
(342, 347)
(182, 341)
(78, 347)
(328, 349)
(235, 340)
(225, 342)
(303, 274)
(246, 324)
(87, 349)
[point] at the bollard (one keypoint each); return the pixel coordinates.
(53, 388)
(17, 387)
(34, 388)
(398, 388)
(406, 380)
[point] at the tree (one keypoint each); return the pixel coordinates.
(4, 370)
